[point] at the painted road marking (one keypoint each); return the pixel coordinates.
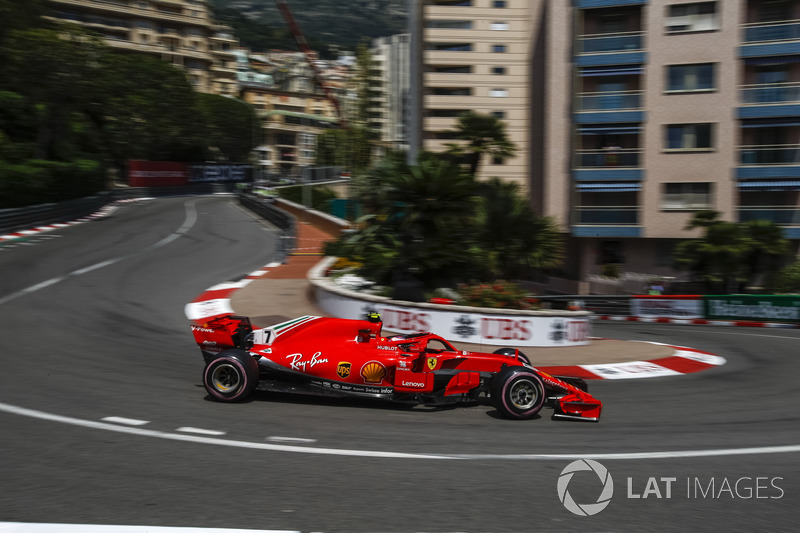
(374, 454)
(123, 420)
(200, 431)
(290, 439)
(19, 527)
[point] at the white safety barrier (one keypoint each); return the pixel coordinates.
(475, 325)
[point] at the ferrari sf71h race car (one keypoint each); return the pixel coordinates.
(344, 357)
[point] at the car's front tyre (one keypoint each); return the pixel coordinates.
(231, 376)
(517, 392)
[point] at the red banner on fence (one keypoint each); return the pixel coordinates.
(157, 173)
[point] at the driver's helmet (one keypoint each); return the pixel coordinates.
(374, 316)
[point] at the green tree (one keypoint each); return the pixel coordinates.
(788, 280)
(729, 255)
(148, 110)
(231, 129)
(767, 251)
(349, 148)
(55, 71)
(484, 135)
(18, 15)
(517, 242)
(47, 140)
(425, 212)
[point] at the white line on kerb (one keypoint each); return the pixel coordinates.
(41, 415)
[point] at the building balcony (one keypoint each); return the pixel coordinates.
(606, 221)
(606, 215)
(778, 214)
(788, 154)
(769, 162)
(614, 42)
(593, 4)
(170, 3)
(770, 39)
(788, 30)
(609, 101)
(110, 7)
(228, 72)
(770, 93)
(610, 116)
(607, 158)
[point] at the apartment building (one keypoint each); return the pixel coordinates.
(473, 55)
(291, 113)
(631, 115)
(181, 32)
(389, 109)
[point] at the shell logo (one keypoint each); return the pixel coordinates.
(373, 372)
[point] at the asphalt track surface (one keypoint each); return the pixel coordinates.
(104, 420)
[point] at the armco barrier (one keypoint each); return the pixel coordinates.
(39, 215)
(500, 327)
(268, 210)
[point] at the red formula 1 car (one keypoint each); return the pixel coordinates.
(352, 358)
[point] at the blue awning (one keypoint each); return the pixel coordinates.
(610, 129)
(772, 60)
(770, 122)
(592, 186)
(773, 185)
(606, 71)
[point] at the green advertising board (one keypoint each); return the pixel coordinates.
(761, 308)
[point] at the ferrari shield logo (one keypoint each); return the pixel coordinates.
(431, 363)
(343, 369)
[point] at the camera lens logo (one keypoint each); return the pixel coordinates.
(586, 509)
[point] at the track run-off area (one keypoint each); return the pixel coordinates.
(105, 420)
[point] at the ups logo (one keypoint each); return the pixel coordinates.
(343, 369)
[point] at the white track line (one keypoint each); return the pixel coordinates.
(19, 527)
(41, 415)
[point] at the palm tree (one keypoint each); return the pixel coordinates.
(767, 247)
(731, 254)
(516, 241)
(484, 134)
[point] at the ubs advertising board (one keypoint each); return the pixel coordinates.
(683, 306)
(462, 325)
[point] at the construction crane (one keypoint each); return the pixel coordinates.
(283, 7)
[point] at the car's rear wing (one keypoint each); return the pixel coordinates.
(228, 331)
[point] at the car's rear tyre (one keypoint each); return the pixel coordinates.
(517, 392)
(512, 351)
(231, 376)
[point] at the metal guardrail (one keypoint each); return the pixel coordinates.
(597, 304)
(22, 218)
(266, 209)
